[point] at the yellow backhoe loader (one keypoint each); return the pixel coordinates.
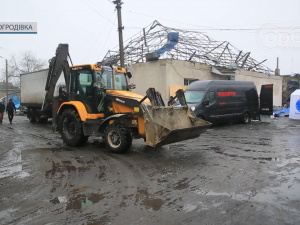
(97, 100)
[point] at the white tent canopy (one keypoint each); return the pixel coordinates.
(295, 105)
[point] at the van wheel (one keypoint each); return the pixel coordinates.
(70, 128)
(246, 118)
(117, 138)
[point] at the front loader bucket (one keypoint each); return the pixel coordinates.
(166, 125)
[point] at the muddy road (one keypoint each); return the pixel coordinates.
(234, 174)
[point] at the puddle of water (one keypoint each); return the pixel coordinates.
(225, 194)
(189, 207)
(247, 157)
(83, 201)
(154, 204)
(182, 184)
(216, 204)
(143, 197)
(43, 151)
(65, 166)
(288, 190)
(286, 163)
(199, 206)
(12, 164)
(5, 214)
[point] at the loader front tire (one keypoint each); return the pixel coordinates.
(117, 138)
(70, 128)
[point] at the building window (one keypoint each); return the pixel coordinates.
(188, 81)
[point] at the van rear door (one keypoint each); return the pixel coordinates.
(266, 99)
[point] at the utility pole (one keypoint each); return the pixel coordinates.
(118, 4)
(6, 77)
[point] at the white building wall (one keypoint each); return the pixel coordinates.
(163, 74)
(259, 79)
(178, 70)
(166, 73)
(149, 74)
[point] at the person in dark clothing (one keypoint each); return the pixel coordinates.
(10, 109)
(2, 110)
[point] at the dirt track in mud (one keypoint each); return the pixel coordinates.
(234, 174)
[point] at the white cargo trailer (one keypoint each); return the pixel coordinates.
(33, 94)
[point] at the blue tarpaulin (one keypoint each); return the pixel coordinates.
(172, 41)
(15, 99)
(283, 112)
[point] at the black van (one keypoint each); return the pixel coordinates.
(223, 100)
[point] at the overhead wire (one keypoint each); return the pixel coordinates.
(106, 39)
(101, 37)
(261, 30)
(93, 7)
(214, 28)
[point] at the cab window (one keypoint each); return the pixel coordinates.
(210, 97)
(105, 78)
(80, 80)
(194, 96)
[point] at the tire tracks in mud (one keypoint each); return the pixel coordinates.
(31, 186)
(122, 183)
(95, 190)
(140, 188)
(124, 178)
(20, 133)
(183, 183)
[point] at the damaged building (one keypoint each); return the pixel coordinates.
(290, 83)
(168, 59)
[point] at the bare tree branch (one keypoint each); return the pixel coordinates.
(25, 63)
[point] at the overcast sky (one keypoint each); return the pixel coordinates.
(266, 28)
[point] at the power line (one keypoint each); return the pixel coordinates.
(268, 26)
(93, 7)
(106, 39)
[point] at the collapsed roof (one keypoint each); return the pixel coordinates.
(159, 42)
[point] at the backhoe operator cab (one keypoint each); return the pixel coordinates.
(89, 82)
(97, 100)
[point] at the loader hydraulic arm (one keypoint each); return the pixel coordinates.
(59, 63)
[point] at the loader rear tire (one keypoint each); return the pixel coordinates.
(117, 138)
(70, 128)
